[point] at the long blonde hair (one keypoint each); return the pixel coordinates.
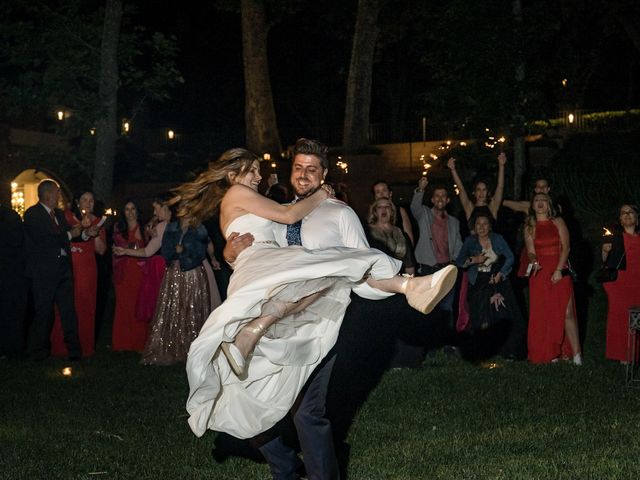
(198, 200)
(372, 218)
(531, 218)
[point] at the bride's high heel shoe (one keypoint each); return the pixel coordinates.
(233, 355)
(423, 298)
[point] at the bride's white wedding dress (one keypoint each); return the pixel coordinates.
(286, 356)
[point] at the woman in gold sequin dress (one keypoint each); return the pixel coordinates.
(184, 301)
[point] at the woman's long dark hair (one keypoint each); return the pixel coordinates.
(121, 226)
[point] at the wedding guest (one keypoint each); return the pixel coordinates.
(439, 243)
(381, 189)
(621, 252)
(47, 236)
(13, 289)
(541, 185)
(129, 332)
(553, 328)
(481, 199)
(386, 236)
(154, 266)
(186, 292)
(85, 275)
(492, 304)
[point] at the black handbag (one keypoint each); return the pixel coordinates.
(569, 272)
(609, 274)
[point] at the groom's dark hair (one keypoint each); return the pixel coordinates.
(306, 146)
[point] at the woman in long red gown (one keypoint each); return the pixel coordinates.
(623, 254)
(85, 277)
(154, 266)
(553, 328)
(129, 332)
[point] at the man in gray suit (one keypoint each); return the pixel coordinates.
(440, 240)
(439, 243)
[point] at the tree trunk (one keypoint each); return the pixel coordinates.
(259, 113)
(630, 25)
(107, 123)
(358, 102)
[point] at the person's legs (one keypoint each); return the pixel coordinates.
(64, 299)
(246, 339)
(314, 433)
(423, 293)
(282, 459)
(571, 330)
(43, 290)
(314, 429)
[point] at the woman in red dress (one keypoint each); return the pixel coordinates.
(85, 276)
(622, 252)
(154, 266)
(553, 328)
(129, 332)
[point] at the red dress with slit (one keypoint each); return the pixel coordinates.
(622, 294)
(85, 289)
(129, 332)
(548, 302)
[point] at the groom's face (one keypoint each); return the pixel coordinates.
(307, 174)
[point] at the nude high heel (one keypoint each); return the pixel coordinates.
(233, 355)
(423, 298)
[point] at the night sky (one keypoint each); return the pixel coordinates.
(308, 70)
(309, 53)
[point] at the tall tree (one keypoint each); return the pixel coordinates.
(53, 60)
(358, 102)
(107, 122)
(260, 115)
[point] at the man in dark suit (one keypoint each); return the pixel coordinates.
(48, 236)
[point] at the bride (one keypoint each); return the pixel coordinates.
(284, 306)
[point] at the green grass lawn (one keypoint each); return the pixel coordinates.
(114, 418)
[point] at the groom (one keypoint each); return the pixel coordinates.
(332, 224)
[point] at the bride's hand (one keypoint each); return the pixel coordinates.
(329, 189)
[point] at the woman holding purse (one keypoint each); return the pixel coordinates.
(553, 327)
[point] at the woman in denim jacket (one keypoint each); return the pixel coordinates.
(492, 305)
(184, 302)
